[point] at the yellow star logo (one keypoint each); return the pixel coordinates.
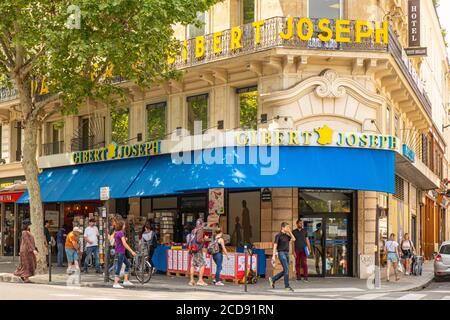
(112, 150)
(325, 135)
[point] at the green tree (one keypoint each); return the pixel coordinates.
(119, 125)
(69, 45)
(248, 110)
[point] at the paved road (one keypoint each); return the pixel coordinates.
(8, 291)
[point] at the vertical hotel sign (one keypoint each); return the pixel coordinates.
(414, 23)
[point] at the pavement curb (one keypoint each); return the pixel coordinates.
(213, 289)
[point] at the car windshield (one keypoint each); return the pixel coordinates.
(445, 249)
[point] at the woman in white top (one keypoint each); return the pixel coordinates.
(408, 250)
(393, 256)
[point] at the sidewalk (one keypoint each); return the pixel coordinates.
(161, 282)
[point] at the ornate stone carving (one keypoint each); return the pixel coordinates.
(330, 88)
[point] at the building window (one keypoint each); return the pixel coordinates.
(19, 141)
(248, 11)
(425, 149)
(331, 9)
(198, 111)
(119, 125)
(248, 107)
(388, 120)
(156, 121)
(397, 126)
(399, 188)
(199, 28)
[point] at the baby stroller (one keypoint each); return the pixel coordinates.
(417, 265)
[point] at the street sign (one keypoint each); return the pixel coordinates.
(104, 193)
(416, 52)
(266, 195)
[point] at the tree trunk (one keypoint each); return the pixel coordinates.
(31, 174)
(30, 166)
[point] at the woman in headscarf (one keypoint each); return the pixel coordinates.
(195, 244)
(27, 253)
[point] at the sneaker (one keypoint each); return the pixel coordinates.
(299, 278)
(306, 280)
(407, 273)
(271, 283)
(219, 283)
(98, 272)
(127, 284)
(289, 289)
(117, 286)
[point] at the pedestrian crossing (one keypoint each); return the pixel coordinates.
(412, 296)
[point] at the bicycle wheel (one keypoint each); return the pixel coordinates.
(143, 272)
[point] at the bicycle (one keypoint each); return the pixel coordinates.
(140, 268)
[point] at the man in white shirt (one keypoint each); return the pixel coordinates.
(91, 237)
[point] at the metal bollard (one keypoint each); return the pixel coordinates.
(49, 262)
(245, 271)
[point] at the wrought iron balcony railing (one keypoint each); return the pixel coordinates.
(270, 38)
(52, 148)
(85, 143)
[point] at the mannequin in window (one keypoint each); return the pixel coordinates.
(246, 223)
(237, 233)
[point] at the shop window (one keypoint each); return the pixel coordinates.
(120, 125)
(156, 121)
(244, 221)
(198, 111)
(325, 202)
(331, 9)
(248, 107)
(248, 11)
(198, 28)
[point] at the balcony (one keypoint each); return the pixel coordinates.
(52, 148)
(85, 143)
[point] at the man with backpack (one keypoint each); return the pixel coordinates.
(195, 246)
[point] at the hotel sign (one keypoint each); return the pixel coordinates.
(114, 151)
(414, 23)
(323, 136)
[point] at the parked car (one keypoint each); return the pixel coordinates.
(442, 262)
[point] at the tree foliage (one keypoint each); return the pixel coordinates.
(132, 37)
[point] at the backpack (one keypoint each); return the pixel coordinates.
(214, 247)
(154, 240)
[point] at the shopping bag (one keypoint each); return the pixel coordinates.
(400, 267)
(306, 251)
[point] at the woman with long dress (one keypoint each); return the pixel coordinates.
(27, 254)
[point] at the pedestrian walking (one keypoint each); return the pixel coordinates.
(302, 250)
(281, 249)
(408, 250)
(195, 244)
(60, 241)
(121, 247)
(28, 252)
(218, 250)
(393, 256)
(73, 250)
(91, 236)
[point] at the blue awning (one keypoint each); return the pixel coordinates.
(302, 167)
(230, 168)
(83, 182)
